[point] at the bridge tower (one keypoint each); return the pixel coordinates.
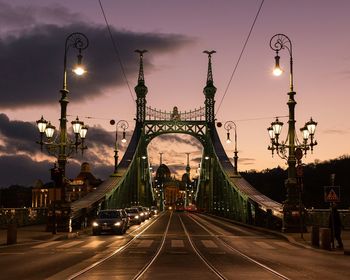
(141, 92)
(209, 92)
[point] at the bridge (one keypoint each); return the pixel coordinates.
(220, 190)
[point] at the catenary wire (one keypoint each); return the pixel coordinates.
(240, 56)
(116, 49)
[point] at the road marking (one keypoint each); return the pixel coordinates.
(70, 244)
(46, 244)
(263, 245)
(117, 243)
(145, 243)
(94, 244)
(177, 243)
(209, 244)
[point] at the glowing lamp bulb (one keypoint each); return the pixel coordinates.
(79, 70)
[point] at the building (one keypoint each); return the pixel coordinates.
(84, 183)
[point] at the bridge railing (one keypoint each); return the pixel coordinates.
(192, 115)
(22, 216)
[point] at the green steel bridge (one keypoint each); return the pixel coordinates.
(220, 190)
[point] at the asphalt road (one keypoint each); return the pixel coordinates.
(174, 245)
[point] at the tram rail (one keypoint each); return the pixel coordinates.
(204, 225)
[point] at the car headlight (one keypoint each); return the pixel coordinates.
(141, 214)
(137, 216)
(117, 224)
(95, 224)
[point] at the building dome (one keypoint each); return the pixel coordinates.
(85, 167)
(163, 172)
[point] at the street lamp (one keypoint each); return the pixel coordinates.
(228, 126)
(61, 146)
(290, 149)
(124, 125)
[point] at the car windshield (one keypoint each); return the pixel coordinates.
(109, 214)
(131, 210)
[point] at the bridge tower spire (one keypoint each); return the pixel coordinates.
(141, 92)
(209, 92)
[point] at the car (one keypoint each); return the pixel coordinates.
(111, 220)
(146, 212)
(134, 216)
(141, 211)
(154, 210)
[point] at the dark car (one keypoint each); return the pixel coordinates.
(154, 210)
(146, 212)
(141, 211)
(113, 221)
(134, 216)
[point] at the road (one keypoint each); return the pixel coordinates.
(173, 245)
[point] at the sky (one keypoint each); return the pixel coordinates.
(175, 33)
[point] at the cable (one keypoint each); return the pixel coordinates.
(116, 50)
(240, 56)
(262, 118)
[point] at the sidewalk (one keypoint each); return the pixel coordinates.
(36, 233)
(304, 240)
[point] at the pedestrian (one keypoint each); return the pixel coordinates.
(335, 225)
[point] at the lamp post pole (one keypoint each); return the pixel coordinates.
(63, 147)
(228, 126)
(80, 42)
(124, 125)
(291, 207)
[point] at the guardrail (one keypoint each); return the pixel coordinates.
(320, 217)
(22, 216)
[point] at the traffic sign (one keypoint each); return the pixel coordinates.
(332, 193)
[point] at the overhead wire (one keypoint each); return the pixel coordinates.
(116, 50)
(240, 56)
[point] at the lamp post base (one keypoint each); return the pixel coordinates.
(59, 218)
(293, 210)
(293, 219)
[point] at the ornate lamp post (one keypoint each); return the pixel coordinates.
(290, 149)
(124, 125)
(62, 146)
(228, 126)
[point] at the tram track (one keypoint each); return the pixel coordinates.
(117, 251)
(204, 225)
(204, 256)
(200, 255)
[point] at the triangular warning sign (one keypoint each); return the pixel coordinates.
(332, 196)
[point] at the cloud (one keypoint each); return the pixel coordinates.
(32, 60)
(19, 154)
(245, 161)
(18, 136)
(22, 170)
(335, 131)
(13, 17)
(180, 139)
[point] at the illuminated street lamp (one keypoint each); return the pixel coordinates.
(124, 125)
(290, 149)
(61, 146)
(228, 126)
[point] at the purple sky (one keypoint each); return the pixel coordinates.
(32, 35)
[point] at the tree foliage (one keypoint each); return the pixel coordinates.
(317, 175)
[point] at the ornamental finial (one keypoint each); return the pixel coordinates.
(141, 78)
(210, 72)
